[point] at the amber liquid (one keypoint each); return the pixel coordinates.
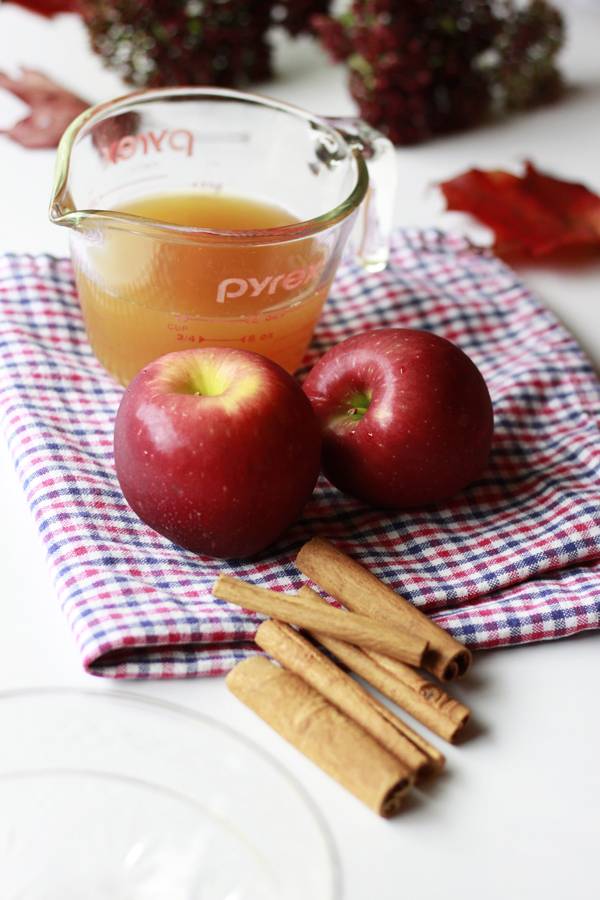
(142, 297)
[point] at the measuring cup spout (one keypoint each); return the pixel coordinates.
(63, 209)
(59, 217)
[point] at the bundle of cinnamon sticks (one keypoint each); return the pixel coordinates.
(318, 706)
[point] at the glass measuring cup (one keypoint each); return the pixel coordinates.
(280, 191)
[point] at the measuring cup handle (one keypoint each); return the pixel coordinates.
(370, 239)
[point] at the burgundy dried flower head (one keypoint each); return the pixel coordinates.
(155, 43)
(425, 67)
(296, 16)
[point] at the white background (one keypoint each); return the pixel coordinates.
(515, 815)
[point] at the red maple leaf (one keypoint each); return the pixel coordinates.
(532, 215)
(48, 8)
(52, 109)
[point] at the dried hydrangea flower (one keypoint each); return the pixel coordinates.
(425, 67)
(154, 43)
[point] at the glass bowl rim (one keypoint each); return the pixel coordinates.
(168, 707)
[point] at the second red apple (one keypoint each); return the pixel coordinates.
(406, 417)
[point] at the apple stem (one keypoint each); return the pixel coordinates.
(357, 410)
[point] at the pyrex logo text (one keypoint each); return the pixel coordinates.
(237, 287)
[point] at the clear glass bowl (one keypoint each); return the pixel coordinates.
(106, 796)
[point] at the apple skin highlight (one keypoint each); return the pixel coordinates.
(216, 449)
(406, 417)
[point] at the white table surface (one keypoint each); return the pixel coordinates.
(515, 816)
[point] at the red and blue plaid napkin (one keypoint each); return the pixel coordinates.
(514, 558)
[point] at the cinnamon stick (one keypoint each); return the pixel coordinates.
(424, 700)
(400, 683)
(297, 654)
(362, 592)
(352, 627)
(321, 732)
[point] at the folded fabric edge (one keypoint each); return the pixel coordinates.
(543, 609)
(158, 661)
(192, 662)
(546, 607)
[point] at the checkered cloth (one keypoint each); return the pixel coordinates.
(514, 558)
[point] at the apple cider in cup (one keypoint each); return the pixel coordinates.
(205, 216)
(162, 295)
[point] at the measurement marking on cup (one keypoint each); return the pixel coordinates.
(245, 339)
(250, 338)
(291, 334)
(262, 315)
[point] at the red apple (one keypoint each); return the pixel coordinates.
(406, 417)
(216, 449)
